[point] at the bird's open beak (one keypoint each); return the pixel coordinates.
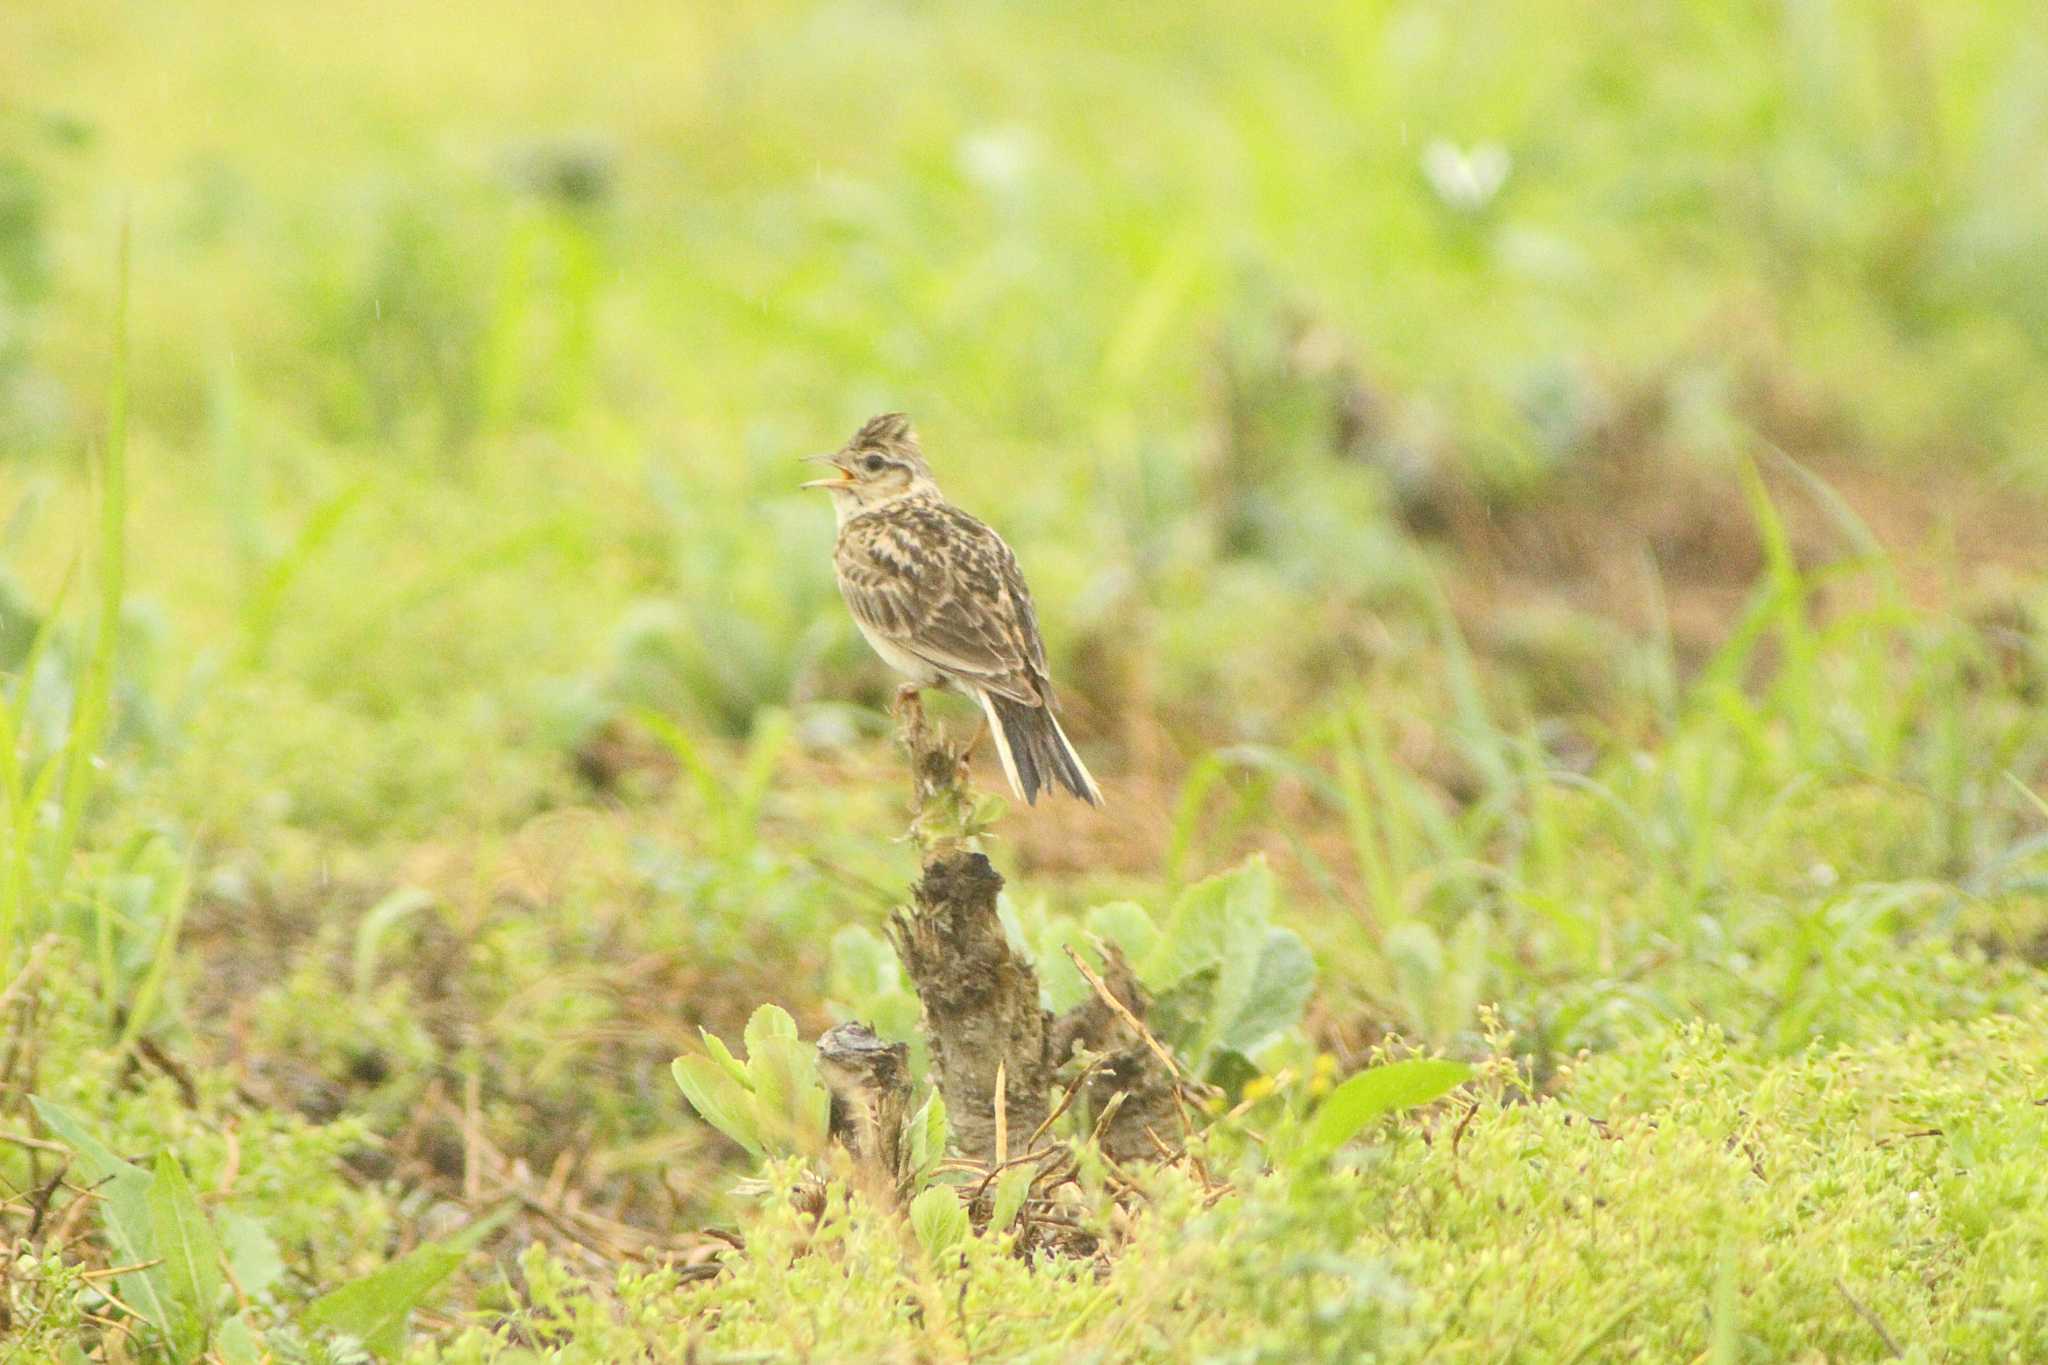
(831, 458)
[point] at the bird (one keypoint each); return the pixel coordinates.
(939, 597)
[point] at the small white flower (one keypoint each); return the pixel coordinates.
(1000, 159)
(1466, 179)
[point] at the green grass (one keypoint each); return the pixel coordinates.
(1754, 1209)
(1611, 600)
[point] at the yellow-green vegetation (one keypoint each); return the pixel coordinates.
(1539, 514)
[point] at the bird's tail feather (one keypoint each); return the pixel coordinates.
(1035, 752)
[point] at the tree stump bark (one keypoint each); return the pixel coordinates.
(1148, 1118)
(981, 1010)
(870, 1084)
(989, 1036)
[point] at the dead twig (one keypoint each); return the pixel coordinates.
(1458, 1134)
(147, 1048)
(1067, 1099)
(1137, 1025)
(1875, 1323)
(33, 1144)
(1102, 1119)
(1002, 1108)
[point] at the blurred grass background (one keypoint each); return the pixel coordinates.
(1567, 481)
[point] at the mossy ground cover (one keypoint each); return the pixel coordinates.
(1564, 488)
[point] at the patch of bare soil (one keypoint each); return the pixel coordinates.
(1635, 514)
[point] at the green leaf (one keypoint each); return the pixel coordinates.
(123, 1190)
(376, 1309)
(238, 1343)
(769, 1021)
(1220, 923)
(774, 1101)
(1281, 985)
(1200, 929)
(1061, 982)
(863, 965)
(792, 1108)
(1378, 1091)
(251, 1251)
(720, 1053)
(928, 1135)
(184, 1240)
(937, 1219)
(1125, 924)
(376, 924)
(719, 1100)
(1013, 1187)
(95, 1161)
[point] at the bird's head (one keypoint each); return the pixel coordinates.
(880, 464)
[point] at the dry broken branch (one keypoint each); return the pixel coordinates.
(981, 1010)
(870, 1084)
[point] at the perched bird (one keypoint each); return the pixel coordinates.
(938, 595)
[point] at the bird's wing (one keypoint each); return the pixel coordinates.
(940, 585)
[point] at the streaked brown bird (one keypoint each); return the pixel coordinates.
(938, 595)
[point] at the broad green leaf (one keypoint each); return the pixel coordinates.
(1060, 981)
(772, 1102)
(718, 1100)
(1221, 923)
(792, 1108)
(251, 1251)
(1193, 939)
(1378, 1091)
(376, 1309)
(1211, 920)
(1280, 989)
(1022, 925)
(184, 1241)
(238, 1344)
(1125, 924)
(95, 1160)
(124, 1210)
(1122, 923)
(937, 1219)
(1013, 1187)
(769, 1021)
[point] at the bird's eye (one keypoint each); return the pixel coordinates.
(872, 464)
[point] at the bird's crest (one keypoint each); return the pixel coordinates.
(890, 431)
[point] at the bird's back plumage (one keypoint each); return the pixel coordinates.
(940, 597)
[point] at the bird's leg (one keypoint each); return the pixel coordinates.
(982, 731)
(961, 772)
(929, 762)
(908, 712)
